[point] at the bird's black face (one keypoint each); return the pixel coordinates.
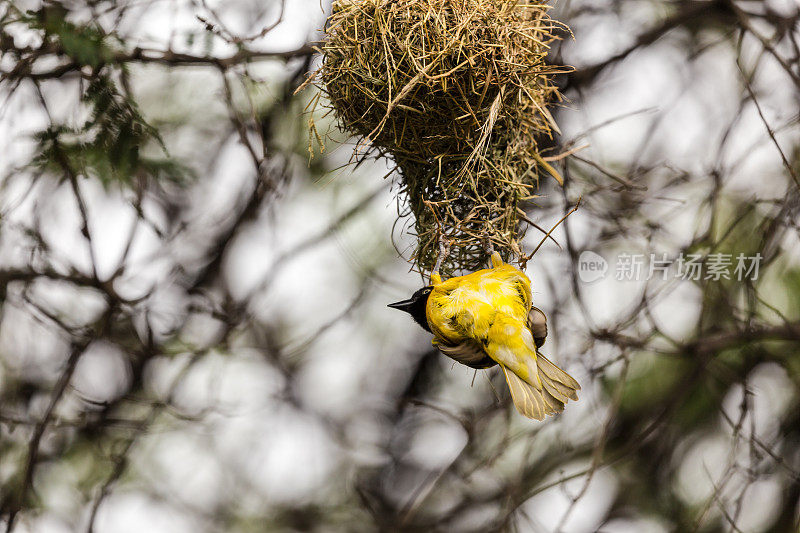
(415, 306)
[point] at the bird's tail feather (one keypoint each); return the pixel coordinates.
(561, 385)
(558, 388)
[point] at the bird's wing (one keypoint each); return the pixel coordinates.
(472, 354)
(538, 387)
(468, 353)
(537, 323)
(562, 385)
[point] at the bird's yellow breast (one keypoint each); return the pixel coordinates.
(465, 306)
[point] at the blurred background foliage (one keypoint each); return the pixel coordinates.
(193, 331)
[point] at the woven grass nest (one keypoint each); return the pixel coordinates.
(457, 92)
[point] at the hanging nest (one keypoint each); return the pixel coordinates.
(457, 92)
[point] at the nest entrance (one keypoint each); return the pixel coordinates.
(457, 91)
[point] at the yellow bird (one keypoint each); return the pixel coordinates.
(486, 318)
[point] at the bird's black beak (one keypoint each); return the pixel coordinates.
(404, 305)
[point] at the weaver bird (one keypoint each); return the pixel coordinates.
(486, 318)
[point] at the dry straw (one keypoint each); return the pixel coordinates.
(457, 92)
